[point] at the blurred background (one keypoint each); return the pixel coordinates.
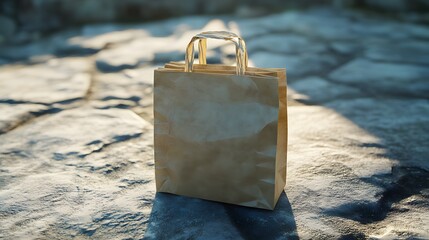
(27, 20)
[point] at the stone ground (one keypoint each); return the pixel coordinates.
(76, 151)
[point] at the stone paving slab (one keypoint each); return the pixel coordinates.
(386, 78)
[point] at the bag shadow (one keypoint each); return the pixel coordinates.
(179, 217)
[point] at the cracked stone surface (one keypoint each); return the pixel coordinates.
(76, 130)
(13, 115)
(393, 79)
(318, 90)
(46, 83)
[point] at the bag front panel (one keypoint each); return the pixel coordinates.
(216, 136)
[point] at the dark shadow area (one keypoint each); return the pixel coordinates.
(401, 127)
(178, 217)
(410, 182)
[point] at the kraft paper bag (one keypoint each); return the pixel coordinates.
(221, 131)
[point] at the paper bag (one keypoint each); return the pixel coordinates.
(220, 131)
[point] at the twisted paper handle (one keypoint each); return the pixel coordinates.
(240, 49)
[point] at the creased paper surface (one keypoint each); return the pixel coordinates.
(221, 137)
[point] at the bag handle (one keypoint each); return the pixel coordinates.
(202, 47)
(240, 49)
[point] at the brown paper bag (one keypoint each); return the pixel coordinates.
(221, 131)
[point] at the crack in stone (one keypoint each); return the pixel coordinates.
(32, 116)
(101, 145)
(52, 109)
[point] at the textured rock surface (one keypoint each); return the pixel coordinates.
(82, 172)
(78, 132)
(51, 82)
(14, 115)
(385, 78)
(76, 151)
(316, 90)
